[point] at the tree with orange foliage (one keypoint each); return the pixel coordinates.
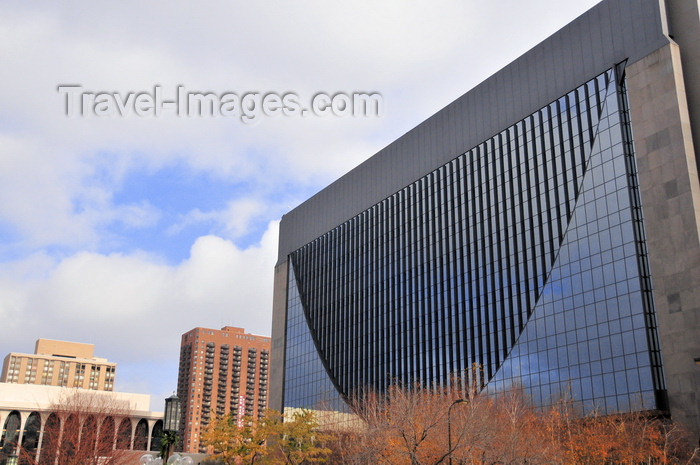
(405, 426)
(676, 447)
(517, 432)
(410, 426)
(636, 437)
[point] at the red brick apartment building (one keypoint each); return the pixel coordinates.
(221, 371)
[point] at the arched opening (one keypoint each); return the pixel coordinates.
(70, 439)
(105, 442)
(157, 435)
(141, 435)
(50, 440)
(124, 435)
(30, 438)
(10, 435)
(88, 437)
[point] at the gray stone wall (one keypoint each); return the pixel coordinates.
(279, 330)
(685, 30)
(670, 192)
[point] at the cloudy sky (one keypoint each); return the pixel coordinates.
(127, 231)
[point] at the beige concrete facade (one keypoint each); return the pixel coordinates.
(60, 363)
(24, 401)
(64, 348)
(670, 192)
(220, 371)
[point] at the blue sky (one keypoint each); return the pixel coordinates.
(128, 231)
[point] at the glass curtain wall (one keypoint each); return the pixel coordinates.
(524, 256)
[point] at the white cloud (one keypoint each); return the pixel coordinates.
(134, 306)
(48, 195)
(233, 221)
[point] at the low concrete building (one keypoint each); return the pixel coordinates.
(28, 411)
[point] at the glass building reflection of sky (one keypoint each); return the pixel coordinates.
(524, 255)
(304, 369)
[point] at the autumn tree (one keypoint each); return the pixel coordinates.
(297, 440)
(81, 429)
(267, 440)
(455, 423)
(410, 424)
(506, 429)
(676, 445)
(350, 447)
(429, 426)
(237, 442)
(638, 437)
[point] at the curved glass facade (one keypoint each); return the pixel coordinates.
(525, 256)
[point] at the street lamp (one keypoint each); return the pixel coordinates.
(171, 420)
(171, 425)
(449, 428)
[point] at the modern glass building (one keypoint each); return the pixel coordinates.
(544, 227)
